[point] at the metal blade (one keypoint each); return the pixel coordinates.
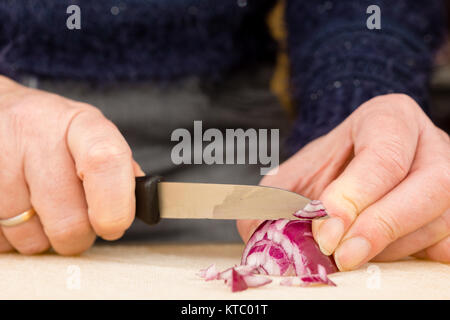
(227, 201)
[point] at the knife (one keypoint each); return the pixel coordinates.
(156, 199)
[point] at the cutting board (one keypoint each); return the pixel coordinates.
(109, 271)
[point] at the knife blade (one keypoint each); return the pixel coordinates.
(157, 199)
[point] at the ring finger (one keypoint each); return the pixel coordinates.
(438, 252)
(27, 237)
(4, 244)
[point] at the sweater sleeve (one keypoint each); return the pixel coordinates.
(337, 62)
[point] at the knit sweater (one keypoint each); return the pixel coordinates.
(336, 62)
(132, 40)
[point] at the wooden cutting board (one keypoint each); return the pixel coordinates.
(169, 272)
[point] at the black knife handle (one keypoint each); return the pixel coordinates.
(147, 207)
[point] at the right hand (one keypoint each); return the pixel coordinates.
(69, 163)
(383, 175)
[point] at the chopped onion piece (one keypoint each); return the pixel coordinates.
(237, 282)
(257, 281)
(320, 278)
(312, 210)
(209, 273)
(238, 278)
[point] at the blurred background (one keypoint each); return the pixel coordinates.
(254, 95)
(440, 86)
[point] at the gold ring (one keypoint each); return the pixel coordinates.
(21, 218)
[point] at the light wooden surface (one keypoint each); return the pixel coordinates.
(169, 272)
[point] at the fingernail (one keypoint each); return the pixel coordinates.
(352, 253)
(330, 233)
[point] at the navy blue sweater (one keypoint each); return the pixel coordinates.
(336, 62)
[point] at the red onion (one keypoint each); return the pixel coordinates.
(281, 248)
(285, 248)
(238, 278)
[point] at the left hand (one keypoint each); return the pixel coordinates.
(384, 176)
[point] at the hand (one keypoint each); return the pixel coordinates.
(384, 176)
(69, 163)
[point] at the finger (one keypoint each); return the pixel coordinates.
(4, 244)
(417, 201)
(57, 193)
(384, 146)
(138, 172)
(307, 172)
(438, 252)
(247, 227)
(104, 164)
(27, 237)
(418, 240)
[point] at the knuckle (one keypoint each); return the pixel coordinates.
(68, 231)
(341, 203)
(388, 227)
(352, 209)
(32, 100)
(392, 159)
(382, 105)
(75, 249)
(102, 154)
(404, 101)
(33, 113)
(31, 246)
(70, 237)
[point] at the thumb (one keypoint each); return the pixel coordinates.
(385, 142)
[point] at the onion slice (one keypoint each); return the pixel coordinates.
(312, 210)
